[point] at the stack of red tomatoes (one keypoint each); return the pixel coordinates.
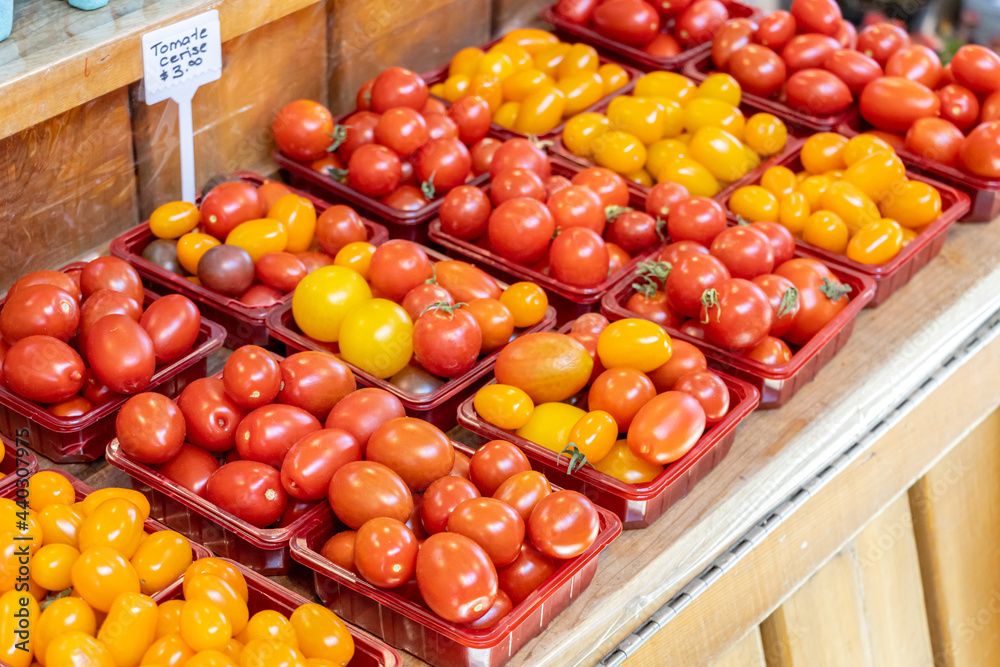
(77, 339)
(661, 28)
(400, 146)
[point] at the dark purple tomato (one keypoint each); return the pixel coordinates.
(227, 269)
(163, 253)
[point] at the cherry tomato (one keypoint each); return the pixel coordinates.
(302, 130)
(976, 67)
(817, 92)
(322, 635)
(494, 463)
(758, 69)
(696, 219)
(709, 390)
(229, 205)
(76, 648)
(523, 491)
(150, 428)
(627, 21)
(689, 279)
(979, 154)
(781, 239)
(935, 139)
(959, 106)
(39, 310)
(531, 569)
(731, 37)
(249, 490)
(268, 432)
(773, 31)
(770, 351)
(917, 63)
(385, 552)
(113, 274)
(876, 243)
(881, 40)
(666, 428)
(822, 16)
(173, 323)
(493, 525)
(397, 267)
(363, 411)
(895, 103)
(465, 212)
(817, 307)
(374, 170)
(251, 376)
(745, 251)
(314, 382)
(699, 22)
(338, 226)
(623, 465)
(363, 490)
(43, 369)
(339, 550)
(738, 314)
(56, 278)
(621, 392)
(210, 415)
(579, 257)
(440, 500)
(855, 69)
(564, 525)
(398, 87)
(527, 302)
(314, 458)
(415, 450)
(443, 163)
(520, 153)
(496, 323)
(520, 230)
(101, 574)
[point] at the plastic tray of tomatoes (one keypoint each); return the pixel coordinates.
(439, 74)
(15, 458)
(777, 383)
(570, 302)
(76, 439)
(369, 651)
(898, 271)
(798, 123)
(983, 193)
(438, 406)
(411, 626)
(634, 55)
(244, 324)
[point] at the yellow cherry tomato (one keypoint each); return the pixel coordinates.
(684, 138)
(692, 174)
(437, 89)
(96, 498)
(465, 62)
(619, 151)
(233, 649)
(116, 523)
(517, 55)
(497, 65)
(77, 649)
(671, 85)
(169, 650)
(213, 588)
(876, 243)
(766, 134)
(549, 58)
(210, 659)
(641, 118)
(299, 217)
(641, 177)
(48, 487)
(721, 86)
(754, 204)
(877, 175)
(793, 211)
(18, 623)
(522, 84)
(504, 406)
(191, 247)
(160, 559)
(10, 560)
(751, 158)
(13, 518)
(101, 574)
(720, 152)
(168, 618)
(834, 174)
(863, 145)
(826, 230)
(634, 343)
(322, 635)
(580, 131)
(850, 204)
(506, 115)
(662, 152)
(271, 624)
(550, 424)
(61, 617)
(377, 337)
(613, 77)
(455, 86)
(779, 180)
(223, 570)
(269, 653)
(129, 629)
(541, 111)
(324, 297)
(913, 204)
(707, 112)
(527, 302)
(174, 219)
(582, 90)
(908, 235)
(204, 627)
(623, 465)
(51, 566)
(487, 87)
(357, 256)
(579, 59)
(259, 237)
(813, 188)
(60, 524)
(823, 152)
(594, 435)
(671, 115)
(531, 40)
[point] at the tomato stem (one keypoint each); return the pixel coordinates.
(742, 222)
(434, 276)
(652, 269)
(427, 187)
(834, 290)
(661, 227)
(339, 136)
(709, 300)
(789, 302)
(339, 175)
(445, 307)
(62, 594)
(539, 144)
(611, 213)
(577, 459)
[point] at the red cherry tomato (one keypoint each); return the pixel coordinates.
(822, 16)
(732, 37)
(784, 299)
(564, 525)
(698, 219)
(493, 525)
(960, 106)
(465, 212)
(609, 186)
(249, 490)
(685, 358)
(121, 353)
(280, 270)
(881, 40)
(421, 297)
(979, 153)
(631, 22)
(456, 578)
(855, 69)
(406, 198)
(663, 46)
(311, 462)
(494, 463)
(576, 206)
(440, 500)
(226, 207)
(444, 163)
(339, 550)
(385, 552)
(402, 129)
(770, 351)
(374, 170)
(782, 241)
(664, 196)
(482, 153)
(666, 428)
(699, 22)
(758, 69)
(364, 411)
(414, 449)
(977, 68)
(521, 229)
(398, 266)
(252, 376)
(916, 63)
(501, 607)
(267, 433)
(579, 257)
(520, 153)
(774, 31)
(315, 382)
(935, 139)
(817, 92)
(173, 323)
(398, 87)
(817, 307)
(895, 103)
(43, 369)
(709, 390)
(846, 35)
(39, 310)
(114, 274)
(210, 414)
(739, 317)
(634, 231)
(655, 307)
(471, 114)
(358, 130)
(446, 341)
(689, 279)
(303, 130)
(363, 490)
(337, 226)
(576, 11)
(75, 406)
(191, 468)
(150, 428)
(673, 253)
(621, 392)
(808, 51)
(523, 491)
(746, 252)
(515, 183)
(57, 278)
(531, 569)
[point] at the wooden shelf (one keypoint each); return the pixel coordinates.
(58, 57)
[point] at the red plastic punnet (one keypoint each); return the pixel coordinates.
(798, 122)
(636, 56)
(437, 407)
(776, 384)
(12, 463)
(440, 74)
(570, 302)
(637, 505)
(82, 439)
(983, 193)
(244, 324)
(410, 626)
(898, 271)
(369, 651)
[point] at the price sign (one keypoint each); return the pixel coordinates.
(176, 61)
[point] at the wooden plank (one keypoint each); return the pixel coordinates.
(958, 534)
(264, 70)
(888, 572)
(66, 185)
(511, 14)
(748, 652)
(58, 58)
(367, 37)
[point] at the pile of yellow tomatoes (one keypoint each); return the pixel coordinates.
(670, 129)
(531, 80)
